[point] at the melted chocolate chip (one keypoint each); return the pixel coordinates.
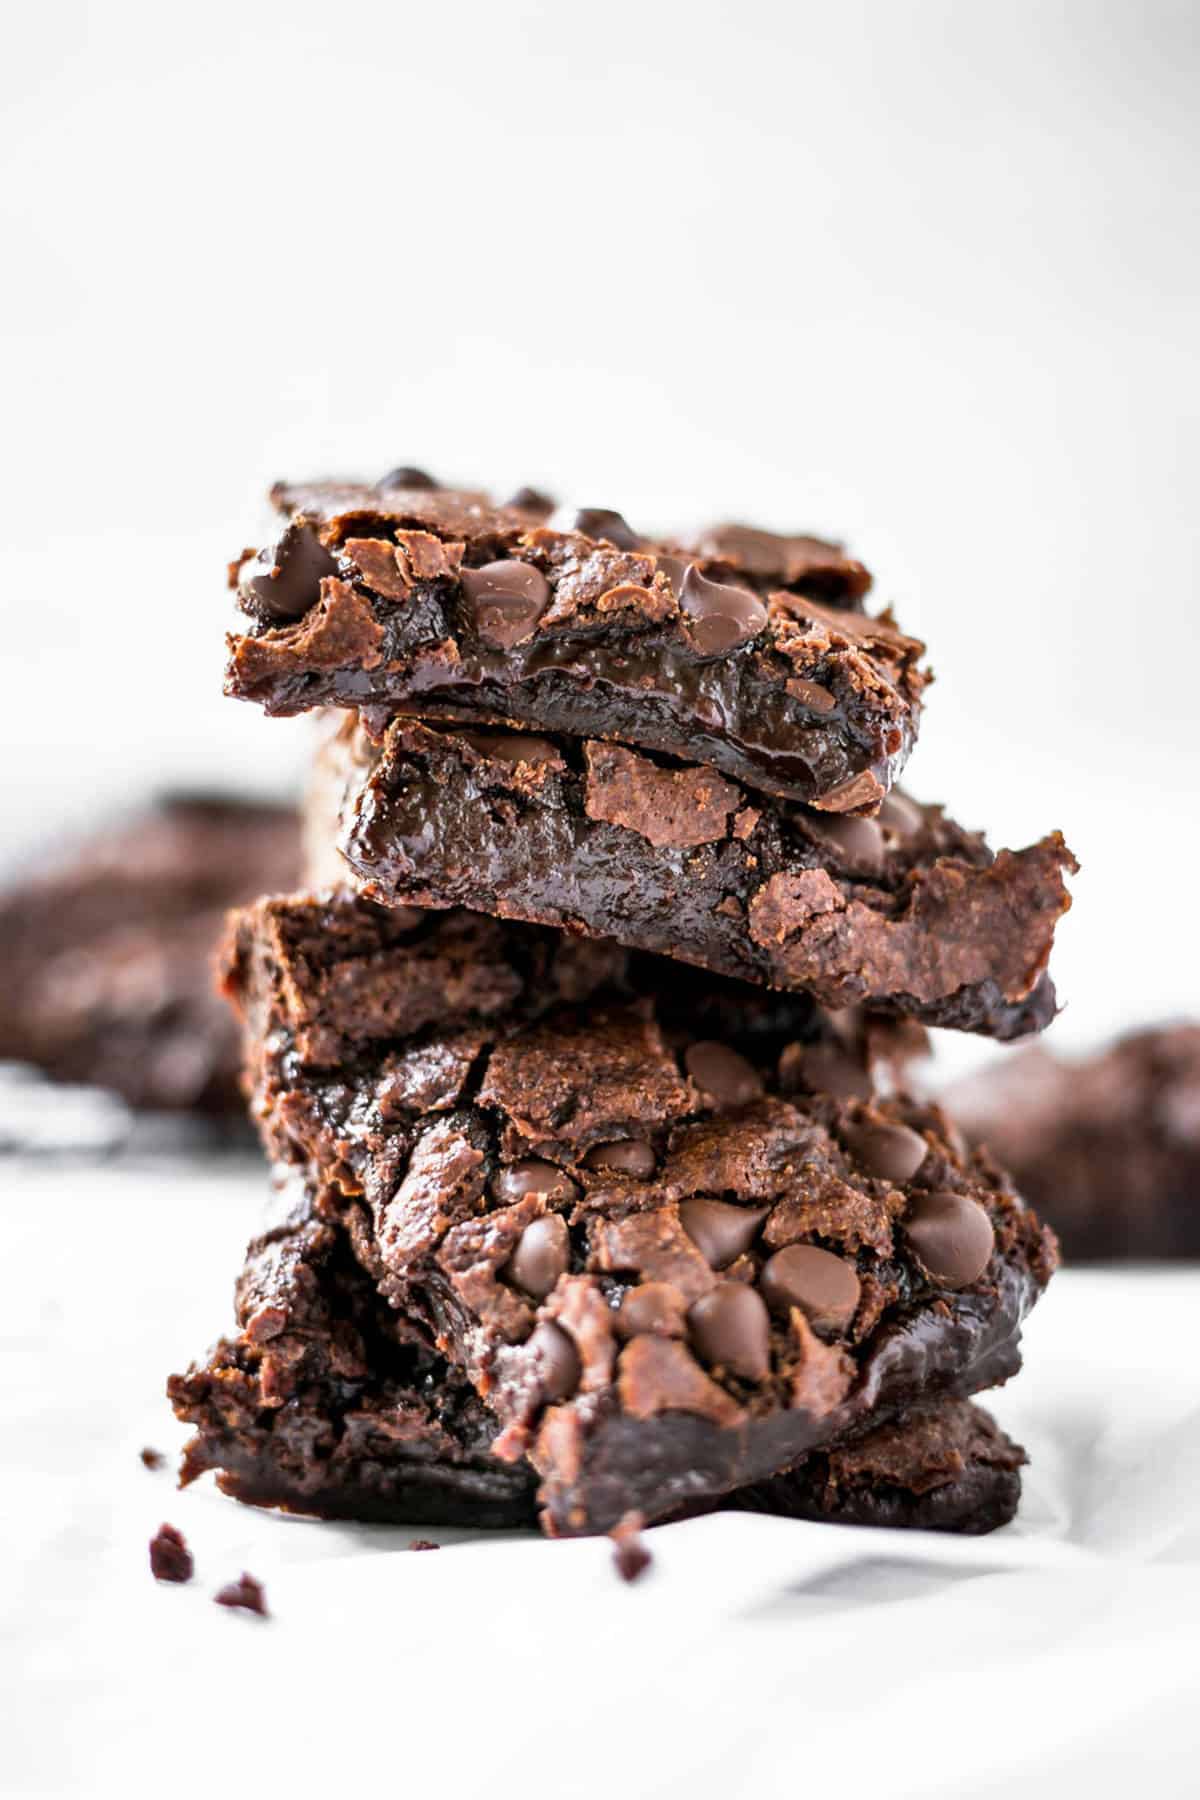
(407, 477)
(556, 1362)
(858, 842)
(509, 598)
(951, 1236)
(531, 1177)
(625, 1156)
(512, 746)
(823, 1069)
(601, 522)
(730, 1329)
(722, 616)
(811, 694)
(892, 1152)
(542, 1255)
(284, 582)
(721, 1073)
(901, 816)
(720, 1231)
(824, 1286)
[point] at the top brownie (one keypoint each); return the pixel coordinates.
(742, 649)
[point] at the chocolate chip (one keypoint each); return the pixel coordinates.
(245, 1593)
(655, 1309)
(900, 815)
(811, 694)
(720, 1231)
(531, 1177)
(892, 1152)
(858, 842)
(407, 477)
(530, 499)
(509, 598)
(542, 1254)
(625, 1156)
(170, 1558)
(556, 1362)
(823, 1069)
(730, 1329)
(824, 1286)
(601, 522)
(951, 1236)
(674, 568)
(721, 615)
(721, 1073)
(284, 581)
(512, 746)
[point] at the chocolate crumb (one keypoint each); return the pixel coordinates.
(244, 1592)
(170, 1558)
(424, 1544)
(630, 1554)
(152, 1459)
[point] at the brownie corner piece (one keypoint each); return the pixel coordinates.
(668, 1262)
(744, 650)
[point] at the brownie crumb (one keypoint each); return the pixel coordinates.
(630, 1554)
(152, 1459)
(244, 1592)
(424, 1544)
(170, 1558)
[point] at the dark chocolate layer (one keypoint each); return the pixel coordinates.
(906, 912)
(744, 653)
(670, 1266)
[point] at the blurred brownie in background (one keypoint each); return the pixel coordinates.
(108, 942)
(1107, 1149)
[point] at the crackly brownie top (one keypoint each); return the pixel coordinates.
(610, 1200)
(906, 911)
(744, 642)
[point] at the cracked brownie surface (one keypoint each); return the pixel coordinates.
(674, 1245)
(906, 911)
(323, 1402)
(744, 650)
(109, 947)
(1108, 1145)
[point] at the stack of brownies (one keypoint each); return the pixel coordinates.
(581, 1065)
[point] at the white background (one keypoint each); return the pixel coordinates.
(923, 274)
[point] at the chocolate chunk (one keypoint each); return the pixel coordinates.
(601, 522)
(407, 477)
(951, 1236)
(531, 499)
(719, 1230)
(625, 1156)
(245, 1593)
(152, 1459)
(893, 1152)
(731, 1330)
(722, 616)
(521, 1178)
(542, 1254)
(284, 582)
(823, 1069)
(825, 1287)
(509, 598)
(556, 1360)
(653, 1309)
(727, 1078)
(170, 1558)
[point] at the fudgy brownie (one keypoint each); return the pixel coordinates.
(743, 651)
(323, 1403)
(669, 1265)
(906, 911)
(108, 949)
(1108, 1146)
